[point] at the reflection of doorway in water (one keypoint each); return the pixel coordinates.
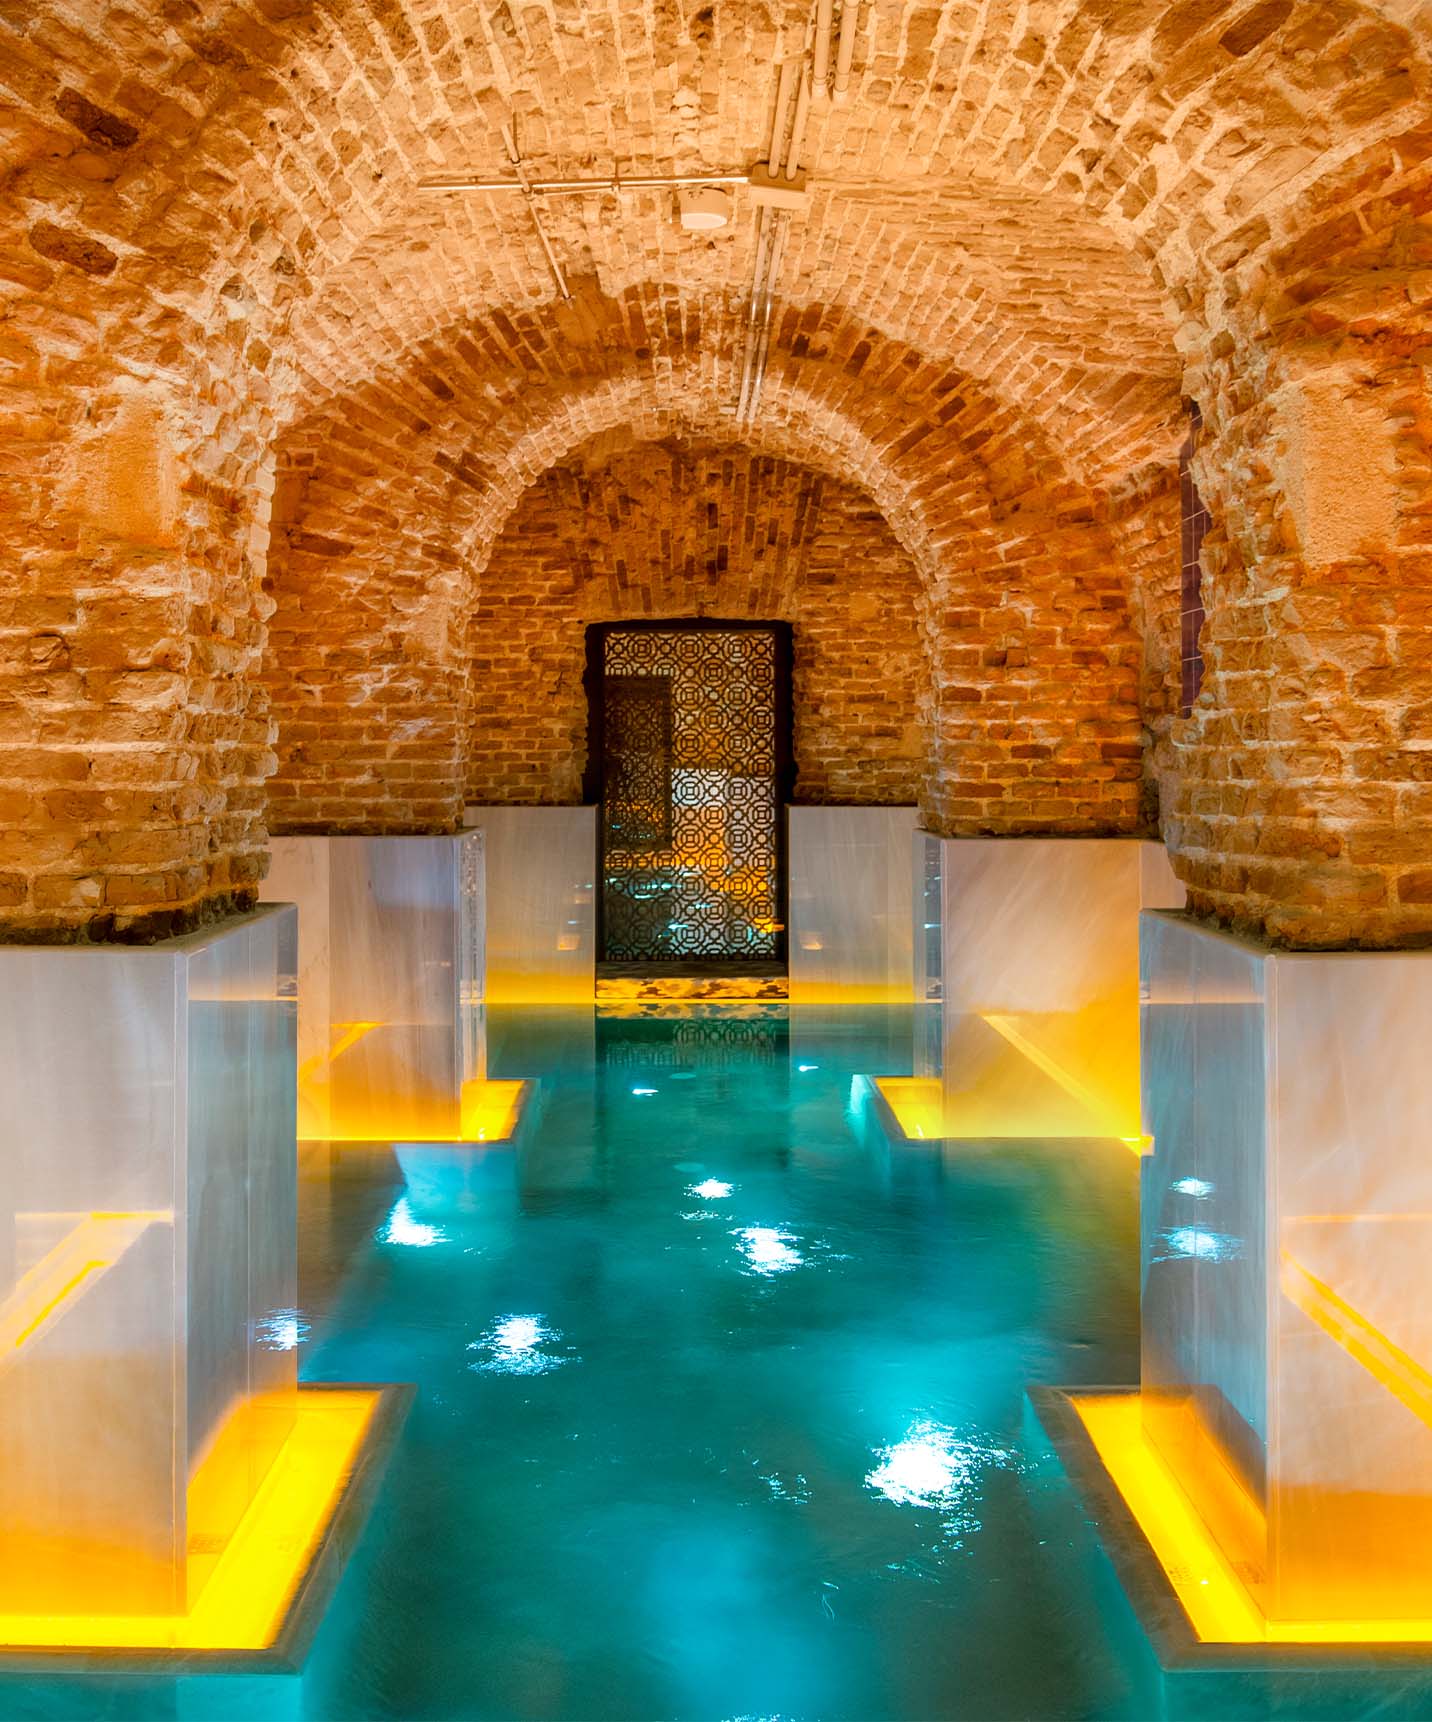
(689, 762)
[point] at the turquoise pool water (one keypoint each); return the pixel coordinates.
(719, 1398)
(720, 1392)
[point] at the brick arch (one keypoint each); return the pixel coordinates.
(625, 528)
(1032, 657)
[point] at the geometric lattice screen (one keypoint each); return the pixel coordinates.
(690, 744)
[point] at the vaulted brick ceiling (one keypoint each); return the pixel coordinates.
(1050, 198)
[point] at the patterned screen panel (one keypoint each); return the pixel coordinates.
(691, 762)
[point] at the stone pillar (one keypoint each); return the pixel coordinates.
(541, 884)
(1301, 809)
(1287, 1228)
(850, 914)
(390, 939)
(133, 735)
(147, 1259)
(1031, 947)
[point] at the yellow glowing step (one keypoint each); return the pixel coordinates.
(246, 1600)
(1218, 1607)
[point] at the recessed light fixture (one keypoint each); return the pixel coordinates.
(703, 208)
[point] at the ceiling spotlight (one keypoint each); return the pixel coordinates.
(703, 208)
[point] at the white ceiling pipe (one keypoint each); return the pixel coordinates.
(783, 105)
(845, 52)
(763, 343)
(585, 187)
(758, 280)
(820, 71)
(798, 129)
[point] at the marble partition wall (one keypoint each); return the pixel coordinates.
(851, 914)
(1030, 945)
(391, 966)
(147, 1259)
(1287, 1231)
(541, 883)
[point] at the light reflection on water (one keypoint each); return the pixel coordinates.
(712, 1190)
(403, 1228)
(767, 1249)
(513, 1345)
(938, 1468)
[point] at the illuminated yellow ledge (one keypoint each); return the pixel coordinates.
(1219, 1608)
(917, 1104)
(247, 1601)
(489, 1113)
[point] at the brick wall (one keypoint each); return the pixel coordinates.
(672, 530)
(217, 265)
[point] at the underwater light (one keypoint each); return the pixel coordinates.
(711, 1191)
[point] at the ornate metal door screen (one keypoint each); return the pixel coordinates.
(689, 759)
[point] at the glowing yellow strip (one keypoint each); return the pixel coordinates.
(1041, 1060)
(59, 1297)
(1387, 1363)
(1216, 1603)
(244, 1603)
(1218, 1607)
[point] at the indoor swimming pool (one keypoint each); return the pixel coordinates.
(720, 1397)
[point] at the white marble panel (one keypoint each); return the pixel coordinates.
(851, 914)
(148, 1105)
(1287, 1339)
(239, 1221)
(390, 981)
(1033, 945)
(541, 880)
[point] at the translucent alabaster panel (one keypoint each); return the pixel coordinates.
(851, 914)
(1034, 945)
(390, 981)
(541, 877)
(146, 1230)
(1288, 1231)
(1203, 1219)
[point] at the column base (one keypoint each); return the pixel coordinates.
(1191, 1603)
(851, 917)
(262, 1603)
(390, 982)
(1030, 946)
(541, 884)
